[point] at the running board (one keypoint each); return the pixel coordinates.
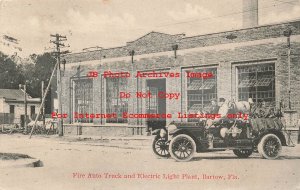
(231, 148)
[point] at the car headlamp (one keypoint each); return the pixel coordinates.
(162, 133)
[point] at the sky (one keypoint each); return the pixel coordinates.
(112, 23)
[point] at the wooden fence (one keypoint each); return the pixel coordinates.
(7, 118)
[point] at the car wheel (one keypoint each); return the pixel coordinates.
(160, 147)
(243, 153)
(182, 148)
(269, 146)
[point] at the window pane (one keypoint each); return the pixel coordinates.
(12, 109)
(257, 82)
(200, 91)
(84, 99)
(115, 104)
(32, 110)
(152, 103)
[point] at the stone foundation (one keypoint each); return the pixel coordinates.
(101, 130)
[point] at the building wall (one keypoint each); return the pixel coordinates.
(207, 40)
(270, 46)
(20, 108)
(1, 105)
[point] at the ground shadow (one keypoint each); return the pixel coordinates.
(254, 157)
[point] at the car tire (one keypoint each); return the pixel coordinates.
(160, 147)
(269, 146)
(243, 153)
(182, 148)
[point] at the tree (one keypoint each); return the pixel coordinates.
(9, 77)
(43, 68)
(11, 74)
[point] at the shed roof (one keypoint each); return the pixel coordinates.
(16, 95)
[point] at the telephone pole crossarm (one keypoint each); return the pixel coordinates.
(58, 43)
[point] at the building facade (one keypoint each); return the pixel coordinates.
(262, 63)
(12, 105)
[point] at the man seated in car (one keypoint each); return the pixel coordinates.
(214, 106)
(215, 110)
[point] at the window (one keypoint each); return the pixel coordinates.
(200, 91)
(83, 98)
(152, 103)
(115, 104)
(12, 109)
(257, 82)
(32, 110)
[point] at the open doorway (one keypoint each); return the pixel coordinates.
(155, 104)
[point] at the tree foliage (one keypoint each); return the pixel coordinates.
(38, 70)
(8, 72)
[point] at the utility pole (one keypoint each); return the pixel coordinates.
(43, 100)
(288, 34)
(43, 109)
(25, 107)
(57, 41)
(291, 113)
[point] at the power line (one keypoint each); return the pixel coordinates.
(210, 18)
(225, 15)
(289, 2)
(218, 16)
(58, 39)
(215, 17)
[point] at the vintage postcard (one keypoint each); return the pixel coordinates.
(149, 94)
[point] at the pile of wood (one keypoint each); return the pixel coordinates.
(11, 128)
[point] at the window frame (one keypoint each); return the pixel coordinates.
(255, 63)
(32, 108)
(12, 107)
(73, 96)
(203, 67)
(125, 120)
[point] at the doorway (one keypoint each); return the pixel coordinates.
(156, 105)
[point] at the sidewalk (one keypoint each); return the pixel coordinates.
(128, 142)
(122, 138)
(17, 160)
(125, 142)
(32, 162)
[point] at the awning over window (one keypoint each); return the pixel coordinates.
(247, 83)
(208, 84)
(198, 85)
(195, 85)
(262, 81)
(195, 108)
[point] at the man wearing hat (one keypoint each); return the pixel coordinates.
(210, 123)
(214, 106)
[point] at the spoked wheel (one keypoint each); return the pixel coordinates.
(269, 146)
(160, 147)
(243, 153)
(182, 148)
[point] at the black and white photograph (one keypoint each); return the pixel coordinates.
(149, 94)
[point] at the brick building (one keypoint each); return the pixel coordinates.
(246, 63)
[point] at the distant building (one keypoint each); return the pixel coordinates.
(12, 101)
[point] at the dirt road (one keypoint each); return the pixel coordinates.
(93, 165)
